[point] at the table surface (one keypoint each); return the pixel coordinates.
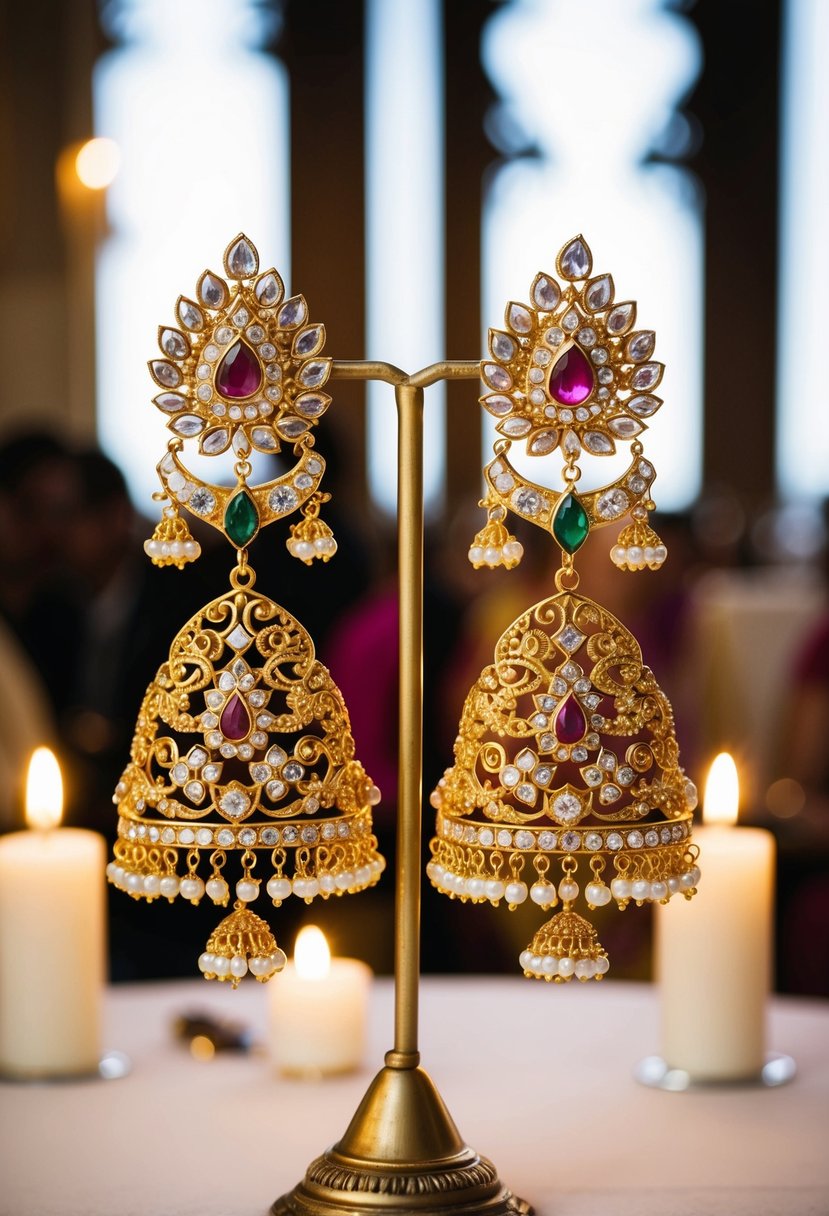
(537, 1077)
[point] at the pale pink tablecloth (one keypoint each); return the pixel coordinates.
(537, 1077)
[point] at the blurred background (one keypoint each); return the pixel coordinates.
(409, 165)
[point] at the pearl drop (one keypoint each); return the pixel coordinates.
(597, 894)
(549, 965)
(535, 962)
(110, 870)
(238, 966)
(374, 796)
(516, 892)
(217, 889)
(205, 962)
(328, 883)
(152, 884)
(303, 549)
(659, 891)
(494, 889)
(602, 965)
(513, 550)
(634, 555)
(686, 881)
(568, 890)
(278, 960)
(192, 549)
(641, 889)
(524, 958)
(169, 886)
(135, 882)
(279, 888)
(345, 880)
(221, 965)
(566, 966)
(618, 554)
(584, 969)
(492, 556)
(620, 888)
(475, 887)
(543, 894)
(260, 966)
(673, 884)
(476, 554)
(192, 888)
(312, 887)
(660, 552)
(697, 873)
(247, 890)
(362, 876)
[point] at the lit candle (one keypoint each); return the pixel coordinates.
(52, 916)
(714, 956)
(318, 1009)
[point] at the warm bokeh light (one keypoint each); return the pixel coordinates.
(721, 802)
(785, 798)
(312, 958)
(96, 163)
(44, 790)
(202, 1048)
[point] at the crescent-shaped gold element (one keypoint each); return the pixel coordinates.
(274, 500)
(537, 504)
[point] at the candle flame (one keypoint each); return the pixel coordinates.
(312, 958)
(44, 790)
(96, 163)
(721, 801)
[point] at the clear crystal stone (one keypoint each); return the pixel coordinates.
(543, 775)
(214, 441)
(202, 501)
(168, 836)
(547, 840)
(565, 415)
(241, 317)
(504, 482)
(496, 376)
(241, 261)
(293, 771)
(538, 396)
(275, 790)
(635, 839)
(625, 428)
(212, 291)
(186, 836)
(204, 392)
(554, 336)
(574, 261)
(171, 403)
(621, 318)
(213, 738)
(637, 484)
(519, 319)
(547, 742)
(269, 289)
(510, 776)
(486, 836)
(646, 376)
(234, 803)
(571, 671)
(527, 793)
(614, 841)
(643, 405)
(546, 293)
(190, 315)
(174, 344)
(612, 503)
(569, 638)
(640, 345)
(593, 841)
(263, 438)
(536, 375)
(292, 313)
(599, 355)
(587, 337)
(524, 839)
(504, 838)
(269, 836)
(528, 502)
(188, 425)
(625, 775)
(239, 638)
(311, 405)
(497, 405)
(566, 808)
(610, 793)
(290, 834)
(677, 832)
(579, 754)
(592, 776)
(599, 293)
(570, 841)
(571, 320)
(261, 773)
(516, 427)
(273, 393)
(195, 792)
(228, 750)
(225, 837)
(314, 373)
(652, 838)
(292, 428)
(256, 333)
(306, 342)
(598, 443)
(166, 373)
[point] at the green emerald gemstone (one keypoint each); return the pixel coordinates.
(571, 526)
(241, 519)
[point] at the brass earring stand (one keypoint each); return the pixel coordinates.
(402, 1152)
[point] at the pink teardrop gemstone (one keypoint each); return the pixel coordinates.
(571, 380)
(239, 373)
(235, 720)
(570, 723)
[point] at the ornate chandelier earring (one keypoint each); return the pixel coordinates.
(566, 763)
(243, 744)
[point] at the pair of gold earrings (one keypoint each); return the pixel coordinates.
(566, 757)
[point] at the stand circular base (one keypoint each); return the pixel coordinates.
(111, 1067)
(335, 1185)
(654, 1072)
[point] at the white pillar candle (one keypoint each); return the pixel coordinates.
(714, 955)
(318, 1008)
(52, 938)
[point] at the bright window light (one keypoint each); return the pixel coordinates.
(404, 227)
(802, 420)
(200, 116)
(595, 116)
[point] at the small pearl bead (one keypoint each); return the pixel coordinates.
(492, 556)
(176, 548)
(597, 894)
(494, 889)
(279, 888)
(312, 887)
(152, 884)
(217, 889)
(374, 796)
(543, 894)
(618, 554)
(303, 549)
(278, 960)
(568, 890)
(535, 963)
(110, 870)
(566, 966)
(221, 965)
(697, 873)
(513, 550)
(640, 889)
(686, 881)
(260, 966)
(549, 965)
(585, 969)
(516, 892)
(475, 887)
(169, 886)
(476, 554)
(673, 884)
(328, 882)
(192, 549)
(659, 891)
(524, 958)
(192, 888)
(602, 965)
(205, 962)
(634, 555)
(620, 888)
(647, 553)
(238, 966)
(345, 880)
(660, 552)
(247, 890)
(362, 876)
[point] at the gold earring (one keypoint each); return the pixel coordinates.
(566, 762)
(243, 744)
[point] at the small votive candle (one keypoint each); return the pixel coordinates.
(318, 1010)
